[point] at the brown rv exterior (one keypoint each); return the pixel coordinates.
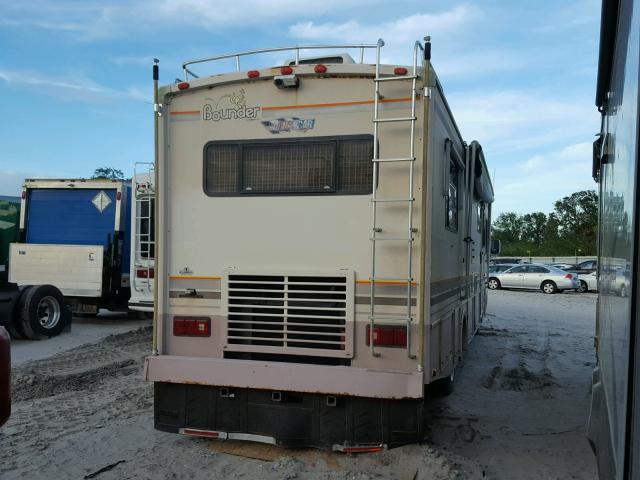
(265, 240)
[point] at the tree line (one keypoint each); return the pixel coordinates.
(571, 229)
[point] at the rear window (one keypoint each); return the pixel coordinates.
(316, 166)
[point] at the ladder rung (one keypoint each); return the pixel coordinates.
(391, 317)
(399, 159)
(385, 279)
(394, 79)
(391, 239)
(397, 119)
(391, 200)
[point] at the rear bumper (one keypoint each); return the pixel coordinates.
(291, 377)
(295, 420)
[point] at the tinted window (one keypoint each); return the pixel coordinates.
(536, 269)
(316, 166)
(451, 219)
(518, 270)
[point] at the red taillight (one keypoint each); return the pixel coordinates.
(569, 276)
(118, 195)
(201, 433)
(320, 68)
(191, 326)
(183, 85)
(145, 273)
(400, 71)
(253, 73)
(286, 70)
(388, 335)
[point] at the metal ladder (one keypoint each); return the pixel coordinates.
(144, 194)
(409, 200)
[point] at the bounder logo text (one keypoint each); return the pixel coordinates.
(229, 107)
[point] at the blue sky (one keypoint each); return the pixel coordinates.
(75, 76)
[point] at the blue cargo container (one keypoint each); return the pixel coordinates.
(83, 213)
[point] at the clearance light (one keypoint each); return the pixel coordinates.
(388, 335)
(569, 276)
(183, 85)
(400, 71)
(320, 68)
(24, 194)
(253, 73)
(192, 326)
(118, 195)
(286, 70)
(145, 273)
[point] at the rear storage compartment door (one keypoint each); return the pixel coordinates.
(70, 216)
(75, 270)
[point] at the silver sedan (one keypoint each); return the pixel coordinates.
(546, 278)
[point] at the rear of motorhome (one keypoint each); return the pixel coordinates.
(322, 249)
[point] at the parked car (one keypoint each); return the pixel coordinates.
(500, 267)
(533, 276)
(5, 376)
(588, 282)
(587, 266)
(564, 266)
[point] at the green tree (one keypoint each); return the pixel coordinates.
(533, 228)
(108, 173)
(577, 217)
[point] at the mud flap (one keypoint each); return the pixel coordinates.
(292, 419)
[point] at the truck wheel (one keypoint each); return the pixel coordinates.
(43, 312)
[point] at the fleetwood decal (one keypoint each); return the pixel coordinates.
(229, 107)
(292, 124)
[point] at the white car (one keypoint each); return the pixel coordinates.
(588, 282)
(534, 276)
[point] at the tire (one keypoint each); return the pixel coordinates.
(43, 312)
(583, 288)
(549, 287)
(493, 284)
(14, 327)
(444, 386)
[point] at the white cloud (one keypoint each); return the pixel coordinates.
(543, 179)
(69, 87)
(90, 21)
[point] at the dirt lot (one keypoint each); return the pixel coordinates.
(519, 411)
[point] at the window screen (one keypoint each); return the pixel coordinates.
(315, 166)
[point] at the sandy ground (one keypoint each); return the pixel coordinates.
(518, 412)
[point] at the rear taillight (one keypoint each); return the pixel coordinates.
(569, 276)
(253, 74)
(192, 326)
(388, 335)
(400, 71)
(183, 85)
(145, 273)
(320, 68)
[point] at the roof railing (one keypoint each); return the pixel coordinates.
(296, 49)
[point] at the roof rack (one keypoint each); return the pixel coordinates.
(295, 48)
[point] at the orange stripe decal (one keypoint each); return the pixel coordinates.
(188, 112)
(337, 104)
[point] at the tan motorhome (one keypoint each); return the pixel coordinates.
(322, 249)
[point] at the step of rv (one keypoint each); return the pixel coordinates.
(399, 159)
(395, 79)
(394, 119)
